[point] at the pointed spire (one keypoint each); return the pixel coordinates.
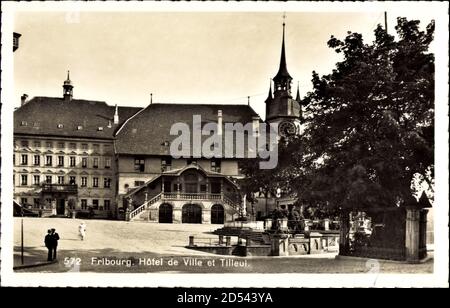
(269, 96)
(282, 71)
(297, 98)
(68, 75)
(151, 98)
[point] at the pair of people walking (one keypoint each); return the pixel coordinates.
(51, 242)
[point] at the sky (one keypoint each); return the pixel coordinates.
(180, 57)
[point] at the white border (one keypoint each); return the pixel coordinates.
(440, 276)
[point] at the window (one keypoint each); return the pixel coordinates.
(60, 125)
(72, 161)
(37, 144)
(95, 204)
(24, 160)
(61, 145)
(84, 204)
(23, 201)
(36, 203)
(215, 165)
(36, 179)
(139, 164)
(23, 123)
(84, 146)
(138, 183)
(83, 181)
(96, 148)
(107, 205)
(24, 143)
(72, 145)
(48, 160)
(203, 188)
(48, 179)
(107, 162)
(24, 180)
(49, 145)
(107, 183)
(107, 149)
(95, 182)
(37, 160)
(95, 165)
(166, 163)
(84, 162)
(60, 161)
(14, 159)
(61, 179)
(72, 180)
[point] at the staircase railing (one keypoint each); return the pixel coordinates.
(235, 205)
(144, 206)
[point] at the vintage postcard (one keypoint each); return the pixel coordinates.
(247, 144)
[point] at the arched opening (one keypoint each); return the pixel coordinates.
(165, 213)
(217, 214)
(191, 214)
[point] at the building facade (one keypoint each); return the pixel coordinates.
(86, 157)
(64, 158)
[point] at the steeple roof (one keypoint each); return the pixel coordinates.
(282, 71)
(67, 82)
(269, 96)
(297, 98)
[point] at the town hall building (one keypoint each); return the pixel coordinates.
(75, 156)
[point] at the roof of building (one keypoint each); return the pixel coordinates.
(53, 116)
(148, 132)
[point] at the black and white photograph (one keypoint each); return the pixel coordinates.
(239, 142)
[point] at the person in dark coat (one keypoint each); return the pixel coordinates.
(48, 243)
(55, 239)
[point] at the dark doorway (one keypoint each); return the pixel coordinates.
(60, 206)
(191, 214)
(165, 213)
(217, 214)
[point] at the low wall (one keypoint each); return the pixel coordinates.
(254, 225)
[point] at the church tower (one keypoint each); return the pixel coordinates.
(282, 108)
(68, 88)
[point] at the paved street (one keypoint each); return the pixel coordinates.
(118, 246)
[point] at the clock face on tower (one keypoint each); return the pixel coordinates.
(287, 129)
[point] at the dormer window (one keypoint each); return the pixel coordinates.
(79, 127)
(23, 123)
(60, 126)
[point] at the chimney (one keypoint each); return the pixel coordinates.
(255, 125)
(219, 122)
(116, 116)
(23, 99)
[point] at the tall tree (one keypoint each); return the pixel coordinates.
(369, 129)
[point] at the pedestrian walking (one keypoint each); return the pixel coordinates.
(82, 231)
(54, 239)
(48, 243)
